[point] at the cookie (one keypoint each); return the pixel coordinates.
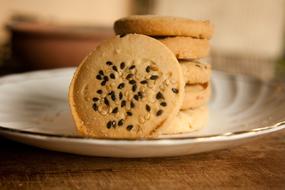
(196, 72)
(153, 25)
(126, 88)
(187, 47)
(187, 121)
(196, 95)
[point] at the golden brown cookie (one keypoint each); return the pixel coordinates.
(154, 25)
(187, 121)
(196, 95)
(196, 72)
(127, 88)
(187, 47)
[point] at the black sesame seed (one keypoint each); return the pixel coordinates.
(112, 76)
(120, 95)
(159, 96)
(129, 127)
(101, 72)
(106, 101)
(123, 103)
(99, 91)
(132, 67)
(163, 104)
(95, 107)
(132, 104)
(109, 124)
(134, 88)
(147, 69)
(115, 68)
(175, 90)
(103, 83)
(122, 85)
(159, 112)
(122, 65)
(110, 93)
(115, 110)
(140, 94)
(106, 78)
(129, 76)
(144, 82)
(122, 35)
(120, 122)
(147, 107)
(153, 77)
(136, 97)
(129, 113)
(95, 99)
(114, 124)
(113, 96)
(132, 82)
(109, 63)
(99, 77)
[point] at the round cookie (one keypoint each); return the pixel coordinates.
(127, 88)
(195, 72)
(187, 47)
(187, 121)
(196, 95)
(154, 25)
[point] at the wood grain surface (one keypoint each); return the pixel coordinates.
(257, 165)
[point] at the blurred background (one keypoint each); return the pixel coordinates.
(249, 35)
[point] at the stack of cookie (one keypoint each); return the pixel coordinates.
(189, 41)
(133, 85)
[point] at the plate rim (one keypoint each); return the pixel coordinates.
(14, 78)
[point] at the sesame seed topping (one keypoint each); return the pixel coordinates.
(120, 95)
(153, 77)
(112, 76)
(129, 113)
(101, 72)
(95, 107)
(147, 107)
(175, 90)
(132, 67)
(115, 110)
(132, 82)
(121, 85)
(99, 91)
(95, 99)
(144, 82)
(122, 65)
(99, 77)
(132, 104)
(120, 122)
(109, 63)
(122, 35)
(106, 101)
(129, 76)
(103, 83)
(114, 124)
(134, 88)
(123, 103)
(163, 104)
(159, 112)
(109, 124)
(140, 94)
(129, 127)
(106, 78)
(147, 69)
(136, 97)
(115, 68)
(159, 96)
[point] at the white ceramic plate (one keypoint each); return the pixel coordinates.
(34, 110)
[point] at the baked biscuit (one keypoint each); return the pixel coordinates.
(187, 47)
(196, 72)
(127, 88)
(154, 25)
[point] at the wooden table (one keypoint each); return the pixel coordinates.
(257, 165)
